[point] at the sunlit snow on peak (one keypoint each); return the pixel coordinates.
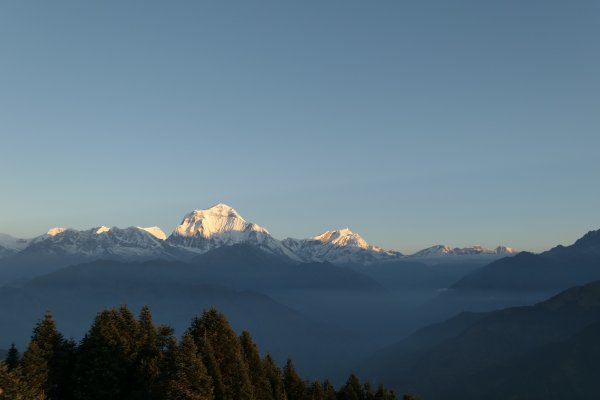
(155, 231)
(55, 231)
(102, 229)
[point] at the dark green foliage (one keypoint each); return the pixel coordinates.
(212, 367)
(352, 390)
(213, 329)
(48, 359)
(105, 364)
(315, 392)
(13, 358)
(329, 391)
(384, 394)
(274, 377)
(13, 386)
(368, 391)
(294, 386)
(261, 388)
(122, 357)
(188, 378)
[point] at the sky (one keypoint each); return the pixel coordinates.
(412, 123)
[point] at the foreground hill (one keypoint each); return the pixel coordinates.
(450, 360)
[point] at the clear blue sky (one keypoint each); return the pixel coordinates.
(411, 122)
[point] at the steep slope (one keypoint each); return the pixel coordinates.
(339, 247)
(442, 359)
(568, 369)
(554, 269)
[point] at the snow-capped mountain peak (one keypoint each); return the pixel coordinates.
(340, 246)
(221, 225)
(155, 231)
(102, 229)
(341, 238)
(217, 220)
(55, 231)
(475, 250)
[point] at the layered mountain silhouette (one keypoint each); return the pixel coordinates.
(555, 269)
(233, 279)
(545, 351)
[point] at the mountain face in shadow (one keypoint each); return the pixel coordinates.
(453, 360)
(553, 270)
(230, 279)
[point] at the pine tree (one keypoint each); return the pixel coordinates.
(260, 384)
(40, 355)
(368, 391)
(294, 386)
(213, 328)
(352, 390)
(13, 358)
(274, 377)
(147, 358)
(106, 357)
(212, 368)
(189, 380)
(384, 394)
(329, 391)
(316, 391)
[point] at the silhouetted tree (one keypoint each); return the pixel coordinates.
(329, 391)
(274, 377)
(261, 388)
(189, 379)
(294, 386)
(352, 390)
(212, 328)
(13, 358)
(45, 346)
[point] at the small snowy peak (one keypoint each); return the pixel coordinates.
(128, 243)
(434, 251)
(155, 231)
(10, 245)
(102, 229)
(339, 247)
(476, 250)
(214, 221)
(341, 238)
(55, 231)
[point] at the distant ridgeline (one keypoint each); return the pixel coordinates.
(122, 357)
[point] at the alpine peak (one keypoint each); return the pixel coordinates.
(102, 229)
(55, 231)
(215, 220)
(154, 231)
(341, 238)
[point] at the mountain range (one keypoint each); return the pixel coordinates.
(199, 232)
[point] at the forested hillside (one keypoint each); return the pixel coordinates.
(124, 357)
